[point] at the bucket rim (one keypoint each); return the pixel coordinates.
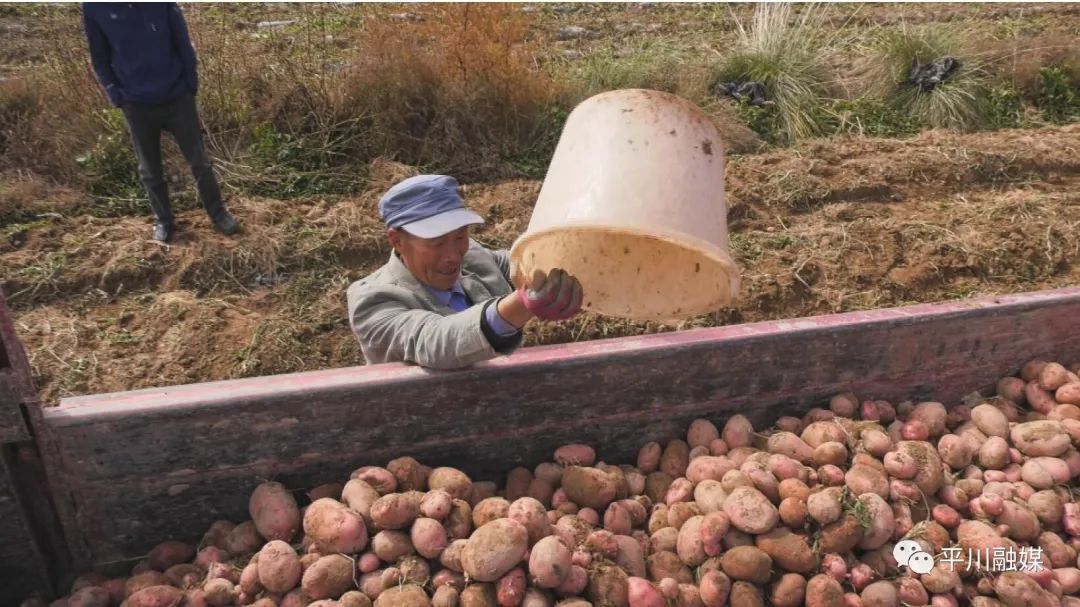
(671, 236)
(712, 251)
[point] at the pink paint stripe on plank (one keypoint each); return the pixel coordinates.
(209, 394)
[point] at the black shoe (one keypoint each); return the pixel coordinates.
(163, 232)
(226, 224)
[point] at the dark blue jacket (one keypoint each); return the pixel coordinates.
(141, 51)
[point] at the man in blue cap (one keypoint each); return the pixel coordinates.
(142, 55)
(442, 300)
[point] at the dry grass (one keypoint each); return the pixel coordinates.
(959, 102)
(300, 110)
(479, 90)
(458, 91)
(1020, 60)
(782, 50)
(44, 115)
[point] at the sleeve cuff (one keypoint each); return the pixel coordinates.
(497, 323)
(503, 344)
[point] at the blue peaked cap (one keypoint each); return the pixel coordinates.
(427, 206)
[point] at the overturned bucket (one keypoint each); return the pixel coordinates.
(633, 205)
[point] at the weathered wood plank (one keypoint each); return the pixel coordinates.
(22, 568)
(12, 354)
(144, 466)
(12, 424)
(33, 555)
(14, 388)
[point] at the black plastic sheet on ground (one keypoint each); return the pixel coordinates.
(927, 76)
(750, 91)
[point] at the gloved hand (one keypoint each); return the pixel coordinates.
(556, 296)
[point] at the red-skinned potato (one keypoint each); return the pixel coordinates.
(750, 511)
(274, 512)
(279, 567)
(748, 563)
(428, 537)
(788, 591)
(244, 539)
(394, 511)
(218, 534)
(435, 505)
(823, 591)
(409, 474)
(249, 579)
(155, 596)
(185, 575)
(648, 459)
(789, 444)
(821, 432)
(575, 455)
(359, 496)
(1015, 588)
(210, 554)
(167, 554)
(933, 415)
(510, 589)
(380, 479)
(1068, 394)
(746, 594)
(824, 506)
(880, 594)
(408, 595)
(701, 433)
(144, 580)
(1011, 388)
(453, 481)
(1040, 400)
(575, 583)
(1052, 377)
(589, 487)
(335, 527)
(675, 458)
(494, 549)
(738, 432)
(329, 578)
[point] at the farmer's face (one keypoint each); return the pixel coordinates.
(435, 262)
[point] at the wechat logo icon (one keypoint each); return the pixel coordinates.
(909, 554)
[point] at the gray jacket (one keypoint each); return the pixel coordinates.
(396, 319)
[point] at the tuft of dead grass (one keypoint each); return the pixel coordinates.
(960, 101)
(782, 50)
(1019, 61)
(458, 91)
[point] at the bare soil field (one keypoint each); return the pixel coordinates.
(825, 225)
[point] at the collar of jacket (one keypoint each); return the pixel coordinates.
(474, 287)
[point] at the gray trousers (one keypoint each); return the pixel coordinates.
(181, 118)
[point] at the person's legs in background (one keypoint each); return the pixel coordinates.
(145, 125)
(183, 122)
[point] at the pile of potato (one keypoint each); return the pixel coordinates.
(805, 513)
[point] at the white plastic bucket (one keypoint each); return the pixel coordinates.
(633, 205)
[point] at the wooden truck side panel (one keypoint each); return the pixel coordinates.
(139, 467)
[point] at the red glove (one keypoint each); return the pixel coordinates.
(555, 297)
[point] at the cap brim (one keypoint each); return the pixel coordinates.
(443, 223)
